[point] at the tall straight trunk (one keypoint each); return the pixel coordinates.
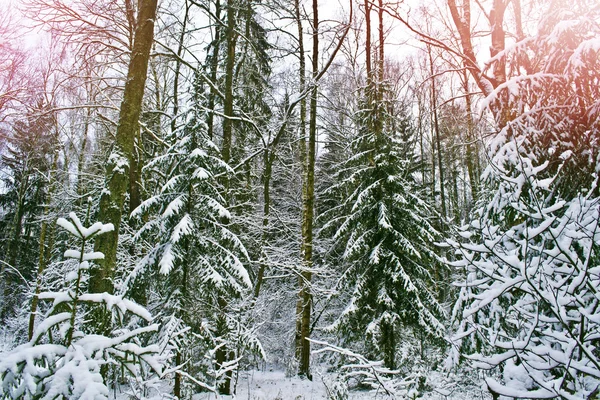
(178, 66)
(421, 141)
(135, 173)
(81, 157)
(183, 310)
(368, 53)
(455, 195)
(177, 383)
(372, 122)
(302, 152)
(381, 54)
(436, 128)
(472, 153)
(223, 353)
(214, 67)
(118, 165)
(305, 295)
(433, 163)
(496, 19)
(267, 172)
(378, 101)
(388, 344)
(229, 66)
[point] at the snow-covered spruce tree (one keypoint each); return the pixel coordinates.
(382, 232)
(195, 269)
(530, 268)
(64, 359)
(30, 157)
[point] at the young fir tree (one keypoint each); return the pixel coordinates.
(383, 232)
(196, 264)
(66, 357)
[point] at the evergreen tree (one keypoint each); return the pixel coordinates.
(196, 266)
(31, 153)
(383, 232)
(66, 355)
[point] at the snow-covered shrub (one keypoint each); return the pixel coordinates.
(359, 372)
(529, 298)
(64, 358)
(336, 388)
(529, 258)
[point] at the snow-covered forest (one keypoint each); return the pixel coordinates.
(268, 199)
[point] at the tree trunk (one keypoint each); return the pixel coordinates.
(177, 383)
(135, 173)
(223, 354)
(305, 295)
(117, 169)
(381, 58)
(462, 21)
(368, 50)
(268, 161)
(214, 66)
(229, 66)
(81, 157)
(302, 152)
(496, 19)
(377, 101)
(178, 67)
(472, 153)
(436, 128)
(388, 344)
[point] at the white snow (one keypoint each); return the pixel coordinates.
(272, 384)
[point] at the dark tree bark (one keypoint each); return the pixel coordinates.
(229, 69)
(305, 295)
(180, 47)
(214, 67)
(118, 165)
(302, 153)
(472, 152)
(436, 129)
(368, 50)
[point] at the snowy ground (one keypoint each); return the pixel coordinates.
(274, 385)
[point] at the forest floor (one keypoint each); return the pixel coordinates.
(274, 385)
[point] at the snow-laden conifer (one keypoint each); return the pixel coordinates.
(65, 358)
(196, 265)
(383, 231)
